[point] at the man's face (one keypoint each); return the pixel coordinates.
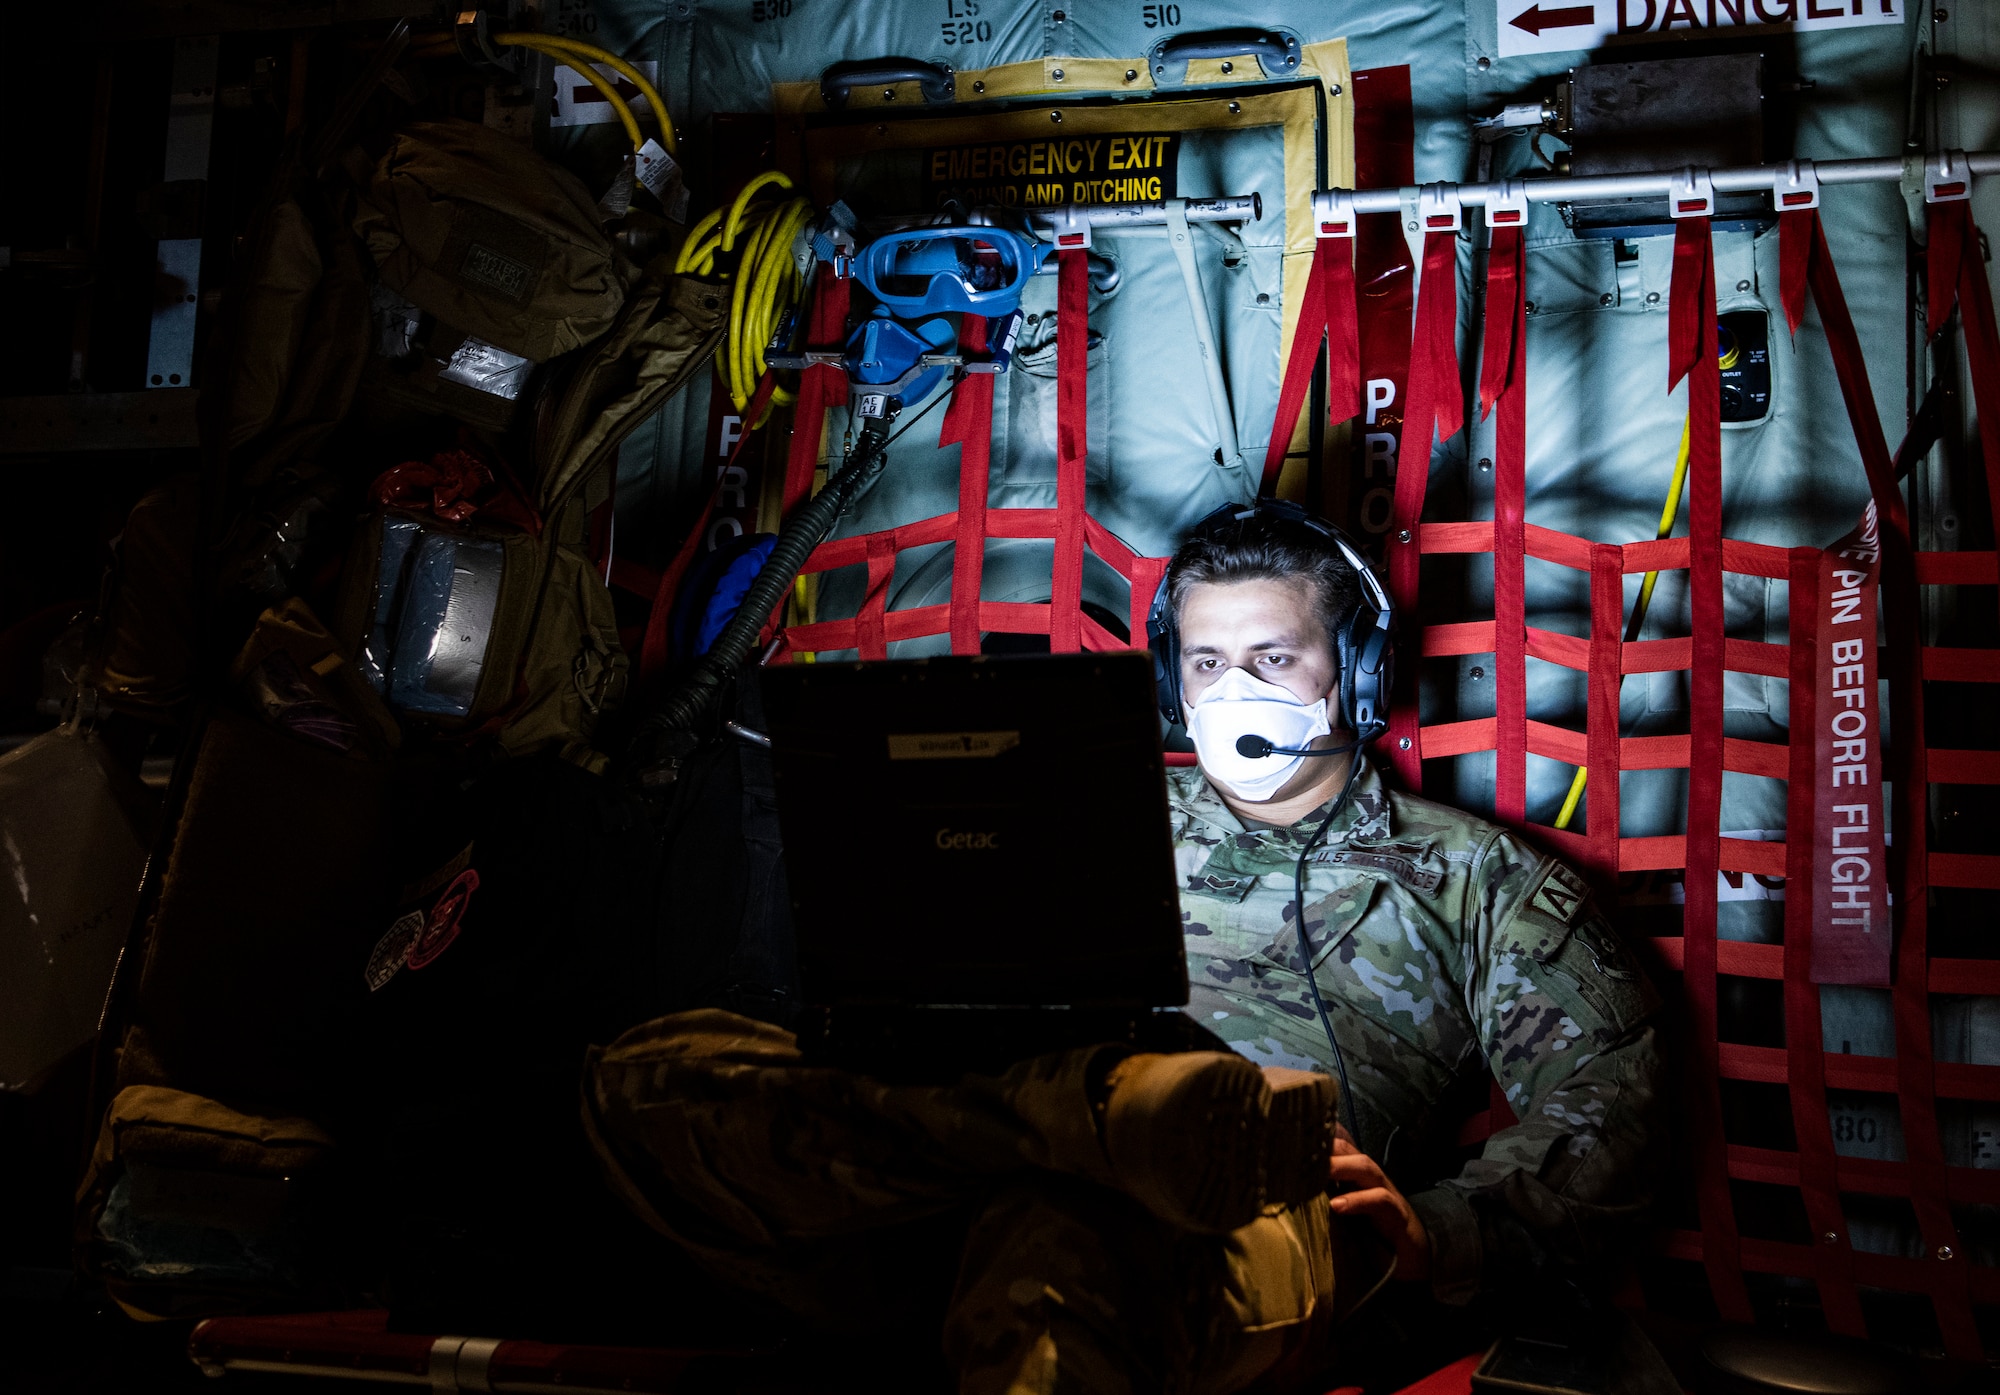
(1272, 630)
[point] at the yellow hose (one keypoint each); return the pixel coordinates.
(1668, 513)
(767, 286)
(765, 281)
(743, 196)
(581, 66)
(693, 250)
(626, 70)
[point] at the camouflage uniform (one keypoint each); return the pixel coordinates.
(1447, 951)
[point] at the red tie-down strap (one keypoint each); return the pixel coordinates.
(1691, 329)
(968, 423)
(1805, 1056)
(1600, 850)
(653, 649)
(1326, 315)
(1504, 380)
(1956, 277)
(1072, 448)
(820, 387)
(1806, 262)
(1434, 406)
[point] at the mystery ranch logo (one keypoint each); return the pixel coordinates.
(1039, 173)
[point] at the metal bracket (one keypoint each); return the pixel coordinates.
(1439, 210)
(177, 265)
(462, 1363)
(1507, 206)
(1333, 213)
(473, 35)
(1948, 178)
(1069, 226)
(1691, 194)
(1797, 188)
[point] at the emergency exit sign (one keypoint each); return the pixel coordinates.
(1552, 26)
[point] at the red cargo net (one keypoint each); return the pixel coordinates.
(1957, 279)
(968, 423)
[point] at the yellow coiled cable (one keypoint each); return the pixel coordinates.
(594, 54)
(766, 281)
(582, 65)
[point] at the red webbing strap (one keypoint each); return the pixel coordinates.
(1504, 378)
(1803, 239)
(653, 649)
(1957, 276)
(1327, 313)
(870, 642)
(1072, 446)
(819, 387)
(968, 424)
(1691, 348)
(1434, 405)
(1145, 575)
(1805, 1057)
(1803, 256)
(1606, 754)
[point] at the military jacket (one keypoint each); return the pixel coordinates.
(1447, 951)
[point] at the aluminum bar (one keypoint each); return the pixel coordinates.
(1247, 208)
(1655, 183)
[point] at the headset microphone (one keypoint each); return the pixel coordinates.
(1254, 747)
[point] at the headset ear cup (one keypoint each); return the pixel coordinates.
(1369, 643)
(1343, 655)
(1163, 638)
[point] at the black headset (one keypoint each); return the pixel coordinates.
(1361, 647)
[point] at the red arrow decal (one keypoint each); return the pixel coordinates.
(1535, 19)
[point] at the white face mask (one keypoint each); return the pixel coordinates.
(1237, 705)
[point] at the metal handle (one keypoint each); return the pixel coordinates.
(1276, 51)
(838, 83)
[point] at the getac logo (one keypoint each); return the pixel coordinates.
(967, 842)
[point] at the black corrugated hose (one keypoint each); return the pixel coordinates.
(673, 731)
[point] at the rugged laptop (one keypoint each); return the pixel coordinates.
(978, 852)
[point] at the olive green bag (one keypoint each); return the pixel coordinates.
(492, 239)
(541, 660)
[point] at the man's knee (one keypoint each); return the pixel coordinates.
(1070, 1286)
(703, 1035)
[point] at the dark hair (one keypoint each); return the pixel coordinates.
(1265, 548)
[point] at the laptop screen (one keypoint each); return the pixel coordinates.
(983, 830)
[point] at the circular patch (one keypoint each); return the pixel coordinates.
(441, 925)
(393, 949)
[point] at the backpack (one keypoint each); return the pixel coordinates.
(479, 231)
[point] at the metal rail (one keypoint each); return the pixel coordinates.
(1939, 167)
(1247, 207)
(1053, 219)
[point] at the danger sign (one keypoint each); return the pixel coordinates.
(1539, 26)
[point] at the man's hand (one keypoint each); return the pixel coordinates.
(1371, 1194)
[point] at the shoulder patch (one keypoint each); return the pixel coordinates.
(1561, 896)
